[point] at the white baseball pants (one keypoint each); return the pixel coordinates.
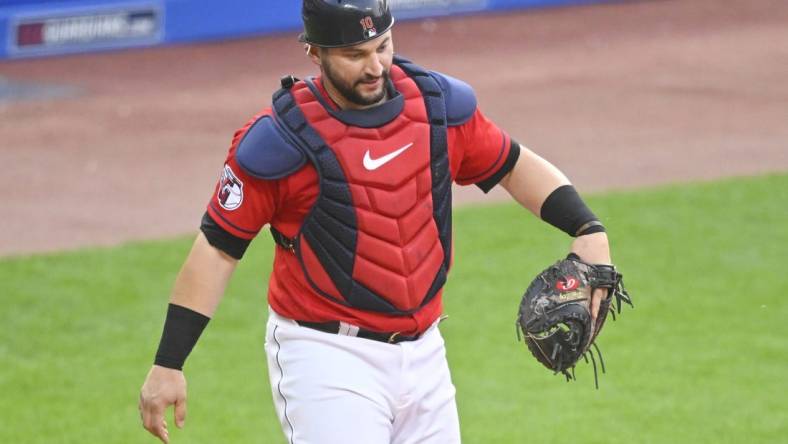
(335, 389)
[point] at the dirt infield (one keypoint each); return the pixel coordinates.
(104, 148)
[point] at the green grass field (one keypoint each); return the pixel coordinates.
(702, 359)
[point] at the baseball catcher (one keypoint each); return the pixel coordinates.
(555, 313)
(352, 170)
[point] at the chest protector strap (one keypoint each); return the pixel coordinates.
(331, 227)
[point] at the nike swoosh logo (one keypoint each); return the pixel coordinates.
(373, 164)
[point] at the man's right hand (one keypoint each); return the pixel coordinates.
(162, 388)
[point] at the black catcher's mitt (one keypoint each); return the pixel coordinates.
(555, 313)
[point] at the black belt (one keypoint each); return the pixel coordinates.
(335, 327)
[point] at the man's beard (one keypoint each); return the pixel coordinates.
(349, 92)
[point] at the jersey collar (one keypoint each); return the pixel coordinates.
(373, 117)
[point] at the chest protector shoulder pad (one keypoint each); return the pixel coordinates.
(264, 151)
(378, 237)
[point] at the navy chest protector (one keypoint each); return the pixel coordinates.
(378, 237)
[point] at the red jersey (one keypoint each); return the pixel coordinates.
(477, 151)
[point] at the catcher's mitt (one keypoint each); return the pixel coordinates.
(555, 313)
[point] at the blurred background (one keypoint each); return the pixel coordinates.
(115, 116)
(670, 115)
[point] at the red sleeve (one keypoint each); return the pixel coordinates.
(241, 204)
(478, 150)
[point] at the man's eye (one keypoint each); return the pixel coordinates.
(382, 48)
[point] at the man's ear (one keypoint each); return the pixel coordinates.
(313, 52)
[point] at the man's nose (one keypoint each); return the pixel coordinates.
(374, 66)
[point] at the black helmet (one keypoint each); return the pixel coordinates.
(335, 23)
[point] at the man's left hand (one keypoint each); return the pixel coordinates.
(593, 249)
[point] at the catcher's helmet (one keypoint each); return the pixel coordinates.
(336, 23)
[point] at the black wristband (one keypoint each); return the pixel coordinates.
(565, 210)
(182, 329)
(592, 227)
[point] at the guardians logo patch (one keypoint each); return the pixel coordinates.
(231, 190)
